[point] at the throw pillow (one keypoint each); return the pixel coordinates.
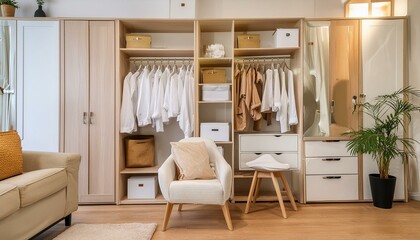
(11, 159)
(192, 160)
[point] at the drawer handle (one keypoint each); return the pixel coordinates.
(331, 159)
(278, 153)
(330, 140)
(214, 130)
(141, 185)
(332, 177)
(277, 136)
(257, 153)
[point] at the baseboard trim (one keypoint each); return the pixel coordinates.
(414, 196)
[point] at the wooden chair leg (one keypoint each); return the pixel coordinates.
(180, 207)
(251, 191)
(278, 192)
(167, 215)
(226, 213)
(257, 190)
(288, 191)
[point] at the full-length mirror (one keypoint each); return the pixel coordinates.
(331, 77)
(7, 75)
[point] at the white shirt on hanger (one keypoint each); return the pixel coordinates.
(268, 98)
(282, 113)
(143, 103)
(127, 118)
(155, 90)
(186, 116)
(276, 91)
(293, 118)
(181, 80)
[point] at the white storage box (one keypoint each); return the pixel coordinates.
(142, 187)
(215, 131)
(286, 37)
(216, 92)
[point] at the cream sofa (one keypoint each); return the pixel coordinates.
(43, 195)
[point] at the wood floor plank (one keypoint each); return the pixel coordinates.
(311, 221)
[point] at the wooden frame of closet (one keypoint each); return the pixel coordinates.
(203, 30)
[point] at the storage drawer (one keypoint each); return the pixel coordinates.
(215, 131)
(332, 165)
(268, 143)
(326, 149)
(216, 92)
(332, 188)
(248, 41)
(142, 187)
(289, 158)
(214, 76)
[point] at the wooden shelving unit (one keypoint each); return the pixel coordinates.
(215, 62)
(158, 200)
(146, 170)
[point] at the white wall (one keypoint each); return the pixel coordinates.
(98, 8)
(413, 11)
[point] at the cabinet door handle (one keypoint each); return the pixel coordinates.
(278, 153)
(332, 177)
(257, 153)
(90, 117)
(277, 136)
(84, 117)
(330, 140)
(331, 159)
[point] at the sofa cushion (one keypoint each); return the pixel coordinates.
(196, 191)
(9, 200)
(36, 185)
(11, 160)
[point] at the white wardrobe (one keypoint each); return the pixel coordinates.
(38, 84)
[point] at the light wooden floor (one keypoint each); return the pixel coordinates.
(311, 221)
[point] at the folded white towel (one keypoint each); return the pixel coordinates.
(266, 162)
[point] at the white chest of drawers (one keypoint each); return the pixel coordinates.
(331, 172)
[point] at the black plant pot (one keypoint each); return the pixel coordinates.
(39, 12)
(382, 190)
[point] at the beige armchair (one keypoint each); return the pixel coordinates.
(214, 192)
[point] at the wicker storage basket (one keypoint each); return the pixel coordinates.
(139, 151)
(138, 40)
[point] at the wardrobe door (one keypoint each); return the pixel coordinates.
(101, 89)
(76, 97)
(383, 73)
(38, 81)
(344, 75)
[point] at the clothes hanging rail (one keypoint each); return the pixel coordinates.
(270, 58)
(160, 59)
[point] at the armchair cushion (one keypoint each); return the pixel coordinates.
(11, 160)
(192, 160)
(197, 192)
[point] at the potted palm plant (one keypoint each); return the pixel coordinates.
(384, 141)
(8, 8)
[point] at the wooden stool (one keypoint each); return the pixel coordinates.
(256, 181)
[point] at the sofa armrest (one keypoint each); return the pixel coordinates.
(41, 160)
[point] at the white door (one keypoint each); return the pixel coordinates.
(38, 88)
(383, 73)
(7, 75)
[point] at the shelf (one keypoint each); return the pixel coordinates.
(146, 170)
(157, 52)
(158, 200)
(264, 51)
(212, 84)
(218, 142)
(244, 174)
(211, 102)
(215, 62)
